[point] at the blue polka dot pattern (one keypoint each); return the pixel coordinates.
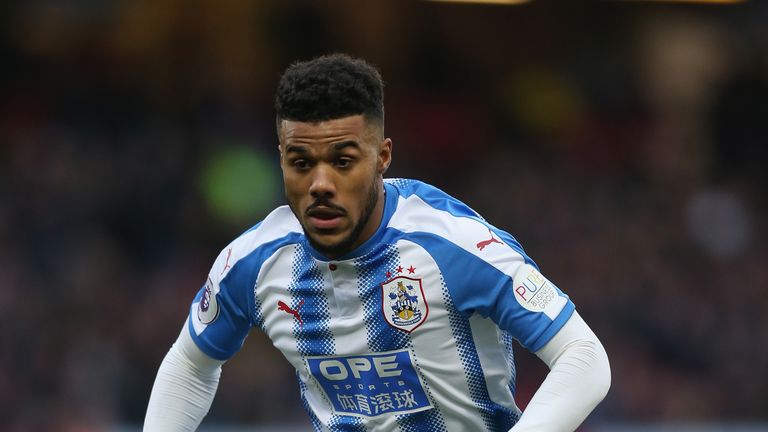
(371, 272)
(507, 339)
(423, 421)
(258, 318)
(495, 417)
(314, 337)
(346, 424)
(399, 183)
(427, 421)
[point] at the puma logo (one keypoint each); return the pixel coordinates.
(226, 263)
(485, 243)
(285, 308)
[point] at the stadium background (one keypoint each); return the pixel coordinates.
(624, 144)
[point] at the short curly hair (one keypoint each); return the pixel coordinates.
(330, 87)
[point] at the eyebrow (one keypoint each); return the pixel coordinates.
(296, 149)
(300, 149)
(344, 144)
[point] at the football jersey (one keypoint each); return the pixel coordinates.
(411, 331)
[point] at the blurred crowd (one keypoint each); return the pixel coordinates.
(624, 144)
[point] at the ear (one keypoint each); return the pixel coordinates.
(385, 155)
(280, 149)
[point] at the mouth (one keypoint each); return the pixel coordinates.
(325, 218)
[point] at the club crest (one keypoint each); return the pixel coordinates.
(403, 303)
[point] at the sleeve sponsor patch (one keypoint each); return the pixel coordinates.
(536, 293)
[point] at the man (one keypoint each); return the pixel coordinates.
(396, 303)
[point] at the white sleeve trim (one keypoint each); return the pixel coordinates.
(578, 380)
(184, 388)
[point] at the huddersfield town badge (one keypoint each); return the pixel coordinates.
(403, 303)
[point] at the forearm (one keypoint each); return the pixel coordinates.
(578, 380)
(184, 388)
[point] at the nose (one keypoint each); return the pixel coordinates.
(323, 183)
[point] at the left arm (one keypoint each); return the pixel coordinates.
(578, 380)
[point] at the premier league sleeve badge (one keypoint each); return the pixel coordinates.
(208, 308)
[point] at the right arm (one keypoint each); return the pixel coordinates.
(187, 379)
(220, 318)
(184, 388)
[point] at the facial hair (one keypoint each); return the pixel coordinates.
(345, 244)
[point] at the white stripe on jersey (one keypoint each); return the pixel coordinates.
(278, 267)
(277, 224)
(493, 358)
(415, 215)
(432, 343)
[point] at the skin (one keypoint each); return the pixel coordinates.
(333, 177)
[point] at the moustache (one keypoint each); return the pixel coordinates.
(324, 206)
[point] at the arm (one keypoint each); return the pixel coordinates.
(184, 388)
(578, 380)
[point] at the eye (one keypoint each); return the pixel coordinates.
(344, 162)
(300, 164)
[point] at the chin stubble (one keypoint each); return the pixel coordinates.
(344, 245)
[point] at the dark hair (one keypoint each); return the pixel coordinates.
(329, 87)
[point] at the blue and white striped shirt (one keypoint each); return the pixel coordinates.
(412, 331)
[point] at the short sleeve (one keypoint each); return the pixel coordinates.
(219, 318)
(530, 307)
(501, 283)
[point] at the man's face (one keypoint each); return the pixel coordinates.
(332, 172)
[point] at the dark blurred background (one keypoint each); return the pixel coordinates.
(625, 144)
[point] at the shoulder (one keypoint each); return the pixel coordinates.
(259, 242)
(423, 207)
(415, 191)
(426, 212)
